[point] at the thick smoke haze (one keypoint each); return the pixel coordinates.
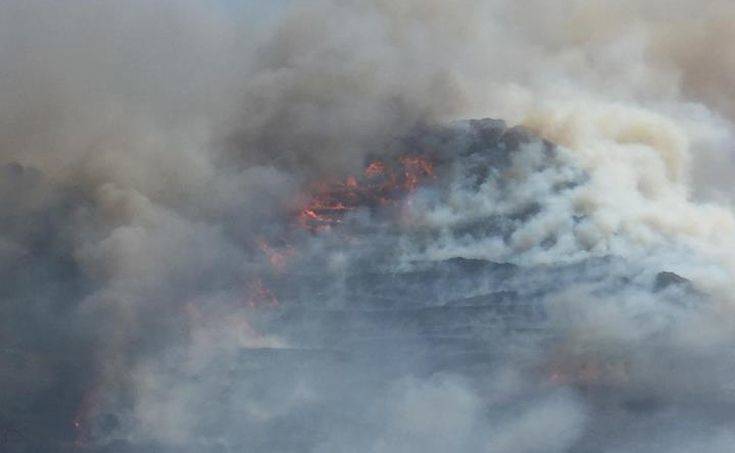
(560, 279)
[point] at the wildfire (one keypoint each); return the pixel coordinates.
(260, 295)
(415, 168)
(588, 368)
(376, 168)
(278, 258)
(380, 184)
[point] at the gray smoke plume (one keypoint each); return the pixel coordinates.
(558, 280)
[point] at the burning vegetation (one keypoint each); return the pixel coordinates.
(590, 368)
(382, 183)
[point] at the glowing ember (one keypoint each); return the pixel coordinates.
(415, 168)
(278, 258)
(375, 169)
(381, 184)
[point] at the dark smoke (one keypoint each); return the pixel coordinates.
(564, 285)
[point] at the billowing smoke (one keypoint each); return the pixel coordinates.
(231, 226)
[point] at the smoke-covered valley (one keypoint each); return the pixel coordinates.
(223, 230)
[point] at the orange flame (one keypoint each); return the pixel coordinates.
(278, 259)
(381, 184)
(375, 169)
(415, 168)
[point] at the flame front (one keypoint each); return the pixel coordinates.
(381, 184)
